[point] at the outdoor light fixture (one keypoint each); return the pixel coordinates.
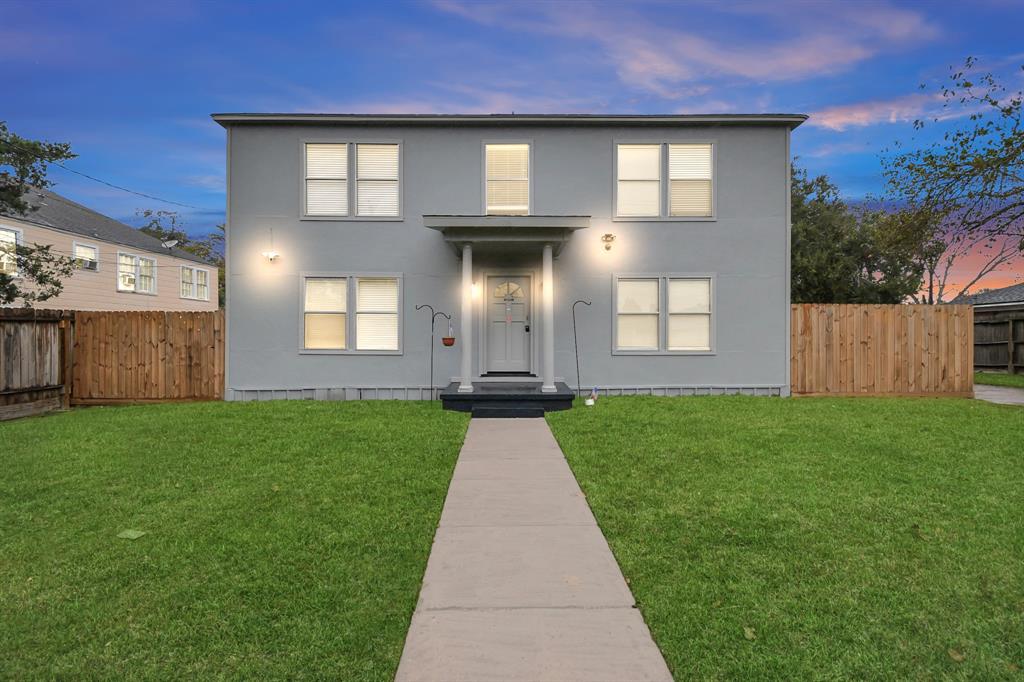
(270, 254)
(608, 238)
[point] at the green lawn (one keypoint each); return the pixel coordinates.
(996, 379)
(283, 539)
(814, 538)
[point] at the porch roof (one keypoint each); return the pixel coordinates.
(507, 230)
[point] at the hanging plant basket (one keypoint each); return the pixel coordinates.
(448, 340)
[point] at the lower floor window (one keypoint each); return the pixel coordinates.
(8, 251)
(663, 313)
(195, 283)
(327, 324)
(136, 273)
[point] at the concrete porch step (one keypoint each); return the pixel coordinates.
(507, 399)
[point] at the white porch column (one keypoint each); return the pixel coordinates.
(466, 381)
(549, 321)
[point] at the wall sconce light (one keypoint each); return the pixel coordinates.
(608, 239)
(270, 254)
(474, 291)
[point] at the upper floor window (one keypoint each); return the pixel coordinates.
(195, 283)
(663, 314)
(329, 169)
(8, 251)
(136, 273)
(86, 257)
(640, 192)
(507, 167)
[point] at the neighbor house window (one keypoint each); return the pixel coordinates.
(663, 314)
(86, 257)
(640, 192)
(374, 324)
(8, 251)
(329, 169)
(508, 179)
(136, 274)
(195, 283)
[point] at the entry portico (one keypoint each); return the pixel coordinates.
(506, 242)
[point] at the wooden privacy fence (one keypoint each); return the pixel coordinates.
(35, 352)
(128, 357)
(999, 340)
(882, 350)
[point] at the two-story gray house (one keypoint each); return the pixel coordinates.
(674, 228)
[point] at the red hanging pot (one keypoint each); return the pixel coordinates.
(448, 340)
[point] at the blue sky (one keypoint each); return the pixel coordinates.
(131, 85)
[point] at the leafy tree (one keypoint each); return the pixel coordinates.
(973, 175)
(168, 226)
(843, 255)
(23, 165)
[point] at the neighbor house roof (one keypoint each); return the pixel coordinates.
(790, 120)
(60, 213)
(1010, 294)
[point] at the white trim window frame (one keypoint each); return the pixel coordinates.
(486, 179)
(9, 259)
(352, 311)
(686, 173)
(136, 272)
(83, 263)
(677, 320)
(346, 178)
(194, 285)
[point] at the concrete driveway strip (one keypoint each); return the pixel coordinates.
(521, 584)
(1004, 395)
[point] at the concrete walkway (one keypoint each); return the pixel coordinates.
(1004, 395)
(520, 584)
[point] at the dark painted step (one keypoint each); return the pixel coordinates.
(507, 399)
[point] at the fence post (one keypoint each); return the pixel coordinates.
(66, 326)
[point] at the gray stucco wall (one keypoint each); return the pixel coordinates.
(745, 249)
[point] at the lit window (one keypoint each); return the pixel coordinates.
(640, 193)
(327, 179)
(658, 314)
(325, 313)
(377, 313)
(508, 179)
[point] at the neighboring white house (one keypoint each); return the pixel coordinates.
(116, 266)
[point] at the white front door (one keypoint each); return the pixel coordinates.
(508, 323)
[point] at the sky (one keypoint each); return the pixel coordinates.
(131, 85)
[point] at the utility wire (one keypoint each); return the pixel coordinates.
(11, 145)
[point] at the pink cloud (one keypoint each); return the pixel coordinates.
(861, 114)
(812, 39)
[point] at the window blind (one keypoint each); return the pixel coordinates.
(203, 284)
(638, 314)
(689, 168)
(325, 303)
(186, 283)
(508, 179)
(377, 313)
(147, 276)
(377, 179)
(638, 189)
(327, 179)
(689, 319)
